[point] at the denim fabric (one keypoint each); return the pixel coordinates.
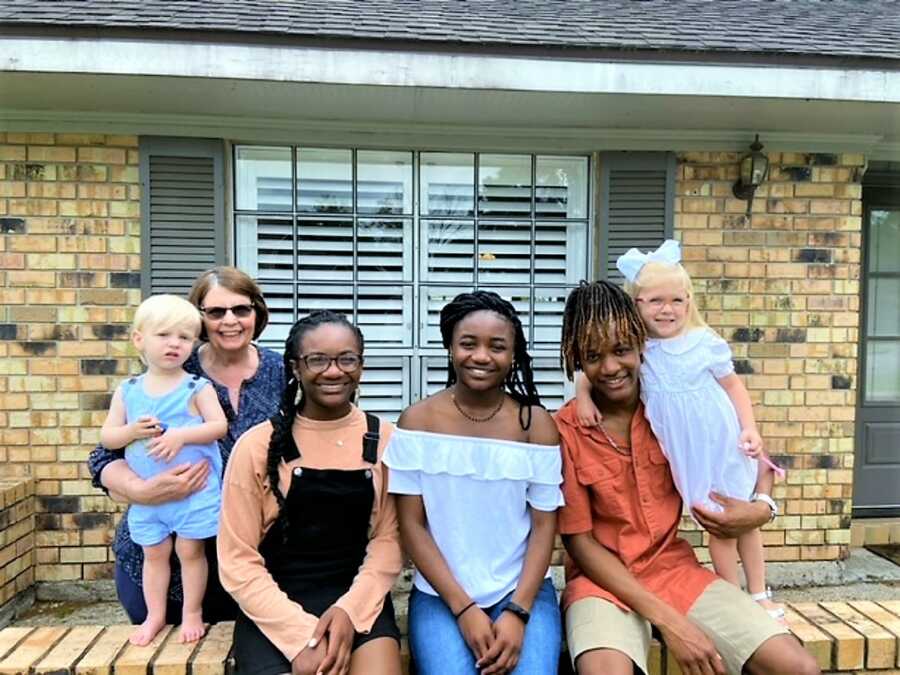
(259, 399)
(438, 647)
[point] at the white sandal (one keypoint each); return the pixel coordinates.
(777, 613)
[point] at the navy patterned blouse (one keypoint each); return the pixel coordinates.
(259, 399)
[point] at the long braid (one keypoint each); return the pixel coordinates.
(597, 309)
(283, 421)
(519, 382)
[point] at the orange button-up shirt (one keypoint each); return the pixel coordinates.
(628, 502)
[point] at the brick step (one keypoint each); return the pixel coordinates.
(845, 637)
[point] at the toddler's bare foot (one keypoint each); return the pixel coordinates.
(147, 631)
(192, 627)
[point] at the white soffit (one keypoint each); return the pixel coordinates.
(452, 71)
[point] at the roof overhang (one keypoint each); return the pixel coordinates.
(265, 92)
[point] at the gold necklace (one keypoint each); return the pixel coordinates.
(472, 418)
(615, 445)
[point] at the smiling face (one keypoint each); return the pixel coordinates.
(482, 350)
(230, 333)
(664, 309)
(327, 394)
(612, 366)
(164, 348)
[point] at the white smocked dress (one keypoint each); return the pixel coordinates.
(693, 418)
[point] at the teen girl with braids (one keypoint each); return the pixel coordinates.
(308, 541)
(476, 468)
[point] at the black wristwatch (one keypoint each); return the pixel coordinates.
(519, 611)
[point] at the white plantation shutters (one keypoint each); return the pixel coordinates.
(638, 191)
(182, 212)
(389, 237)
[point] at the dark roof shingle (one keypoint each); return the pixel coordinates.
(823, 28)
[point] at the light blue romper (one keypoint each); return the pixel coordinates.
(196, 516)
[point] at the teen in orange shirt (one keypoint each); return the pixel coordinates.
(628, 568)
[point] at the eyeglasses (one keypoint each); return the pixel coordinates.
(348, 362)
(218, 313)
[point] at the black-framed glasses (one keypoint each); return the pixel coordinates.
(347, 362)
(217, 313)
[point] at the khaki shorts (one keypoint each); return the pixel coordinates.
(734, 622)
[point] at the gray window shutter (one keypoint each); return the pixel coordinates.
(182, 211)
(637, 199)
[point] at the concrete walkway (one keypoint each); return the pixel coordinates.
(863, 576)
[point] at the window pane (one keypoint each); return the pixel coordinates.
(262, 177)
(883, 371)
(504, 253)
(448, 251)
(434, 374)
(884, 241)
(265, 247)
(381, 254)
(447, 184)
(549, 305)
(433, 299)
(325, 250)
(562, 187)
(550, 380)
(560, 253)
(884, 306)
(385, 315)
(504, 186)
(384, 182)
(315, 297)
(384, 390)
(326, 180)
(281, 301)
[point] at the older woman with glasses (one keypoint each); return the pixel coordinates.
(249, 382)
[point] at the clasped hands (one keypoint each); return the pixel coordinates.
(329, 649)
(164, 442)
(496, 645)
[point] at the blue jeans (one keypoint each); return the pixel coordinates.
(438, 647)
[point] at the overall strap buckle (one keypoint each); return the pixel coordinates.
(371, 439)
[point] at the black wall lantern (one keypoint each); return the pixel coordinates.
(754, 169)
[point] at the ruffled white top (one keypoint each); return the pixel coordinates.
(476, 493)
(693, 418)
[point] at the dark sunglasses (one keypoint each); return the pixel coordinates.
(217, 313)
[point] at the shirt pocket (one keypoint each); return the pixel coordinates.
(660, 473)
(604, 481)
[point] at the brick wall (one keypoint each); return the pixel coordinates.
(16, 542)
(782, 287)
(69, 279)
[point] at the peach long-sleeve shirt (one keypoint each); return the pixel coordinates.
(249, 510)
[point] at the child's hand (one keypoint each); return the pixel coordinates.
(146, 426)
(165, 447)
(750, 443)
(586, 412)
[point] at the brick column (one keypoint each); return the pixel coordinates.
(69, 282)
(782, 287)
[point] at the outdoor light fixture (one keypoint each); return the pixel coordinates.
(754, 169)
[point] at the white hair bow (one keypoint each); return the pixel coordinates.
(630, 263)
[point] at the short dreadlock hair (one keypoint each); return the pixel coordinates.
(600, 309)
(520, 378)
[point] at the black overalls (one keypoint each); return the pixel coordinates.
(315, 557)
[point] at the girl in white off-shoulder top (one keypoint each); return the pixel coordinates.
(477, 470)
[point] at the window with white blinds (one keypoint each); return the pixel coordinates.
(389, 237)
